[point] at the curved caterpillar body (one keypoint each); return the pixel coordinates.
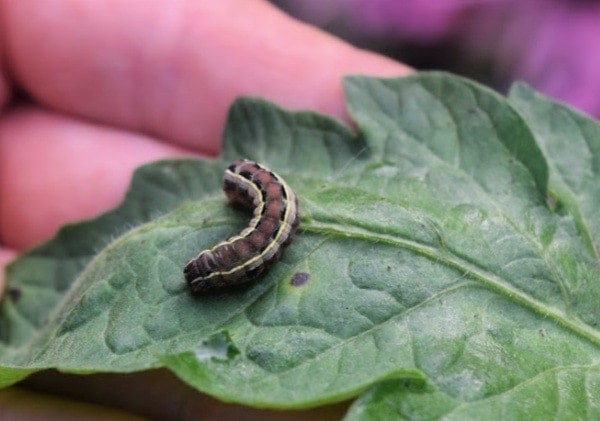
(243, 257)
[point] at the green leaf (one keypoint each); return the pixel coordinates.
(570, 143)
(440, 282)
(561, 393)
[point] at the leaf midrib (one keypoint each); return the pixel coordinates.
(487, 279)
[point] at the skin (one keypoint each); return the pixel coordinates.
(91, 90)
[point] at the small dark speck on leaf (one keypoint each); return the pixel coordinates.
(299, 279)
(14, 294)
(542, 333)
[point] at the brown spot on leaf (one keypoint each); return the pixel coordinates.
(299, 279)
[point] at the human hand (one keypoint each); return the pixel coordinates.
(91, 90)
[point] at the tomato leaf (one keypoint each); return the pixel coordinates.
(448, 257)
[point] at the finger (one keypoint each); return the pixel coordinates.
(54, 170)
(4, 90)
(172, 69)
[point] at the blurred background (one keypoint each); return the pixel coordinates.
(553, 45)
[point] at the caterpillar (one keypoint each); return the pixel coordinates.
(245, 256)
